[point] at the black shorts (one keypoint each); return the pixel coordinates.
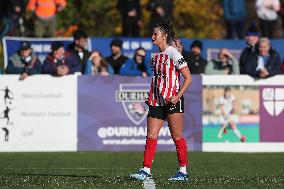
(161, 112)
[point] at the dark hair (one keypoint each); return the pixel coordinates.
(103, 62)
(167, 28)
(226, 89)
(140, 48)
(116, 42)
(79, 34)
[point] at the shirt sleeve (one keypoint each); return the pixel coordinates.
(179, 61)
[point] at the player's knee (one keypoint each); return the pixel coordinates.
(152, 135)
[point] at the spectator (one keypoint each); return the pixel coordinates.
(282, 67)
(196, 62)
(252, 37)
(78, 48)
(24, 62)
(45, 12)
(138, 66)
(130, 12)
(234, 14)
(225, 64)
(267, 14)
(96, 65)
(281, 13)
(116, 59)
(160, 10)
(59, 63)
(11, 12)
(267, 62)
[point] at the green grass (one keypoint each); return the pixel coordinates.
(210, 132)
(111, 170)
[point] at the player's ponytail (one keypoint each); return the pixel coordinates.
(167, 27)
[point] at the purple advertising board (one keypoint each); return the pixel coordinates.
(271, 113)
(112, 114)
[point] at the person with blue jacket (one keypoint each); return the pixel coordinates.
(234, 14)
(138, 66)
(97, 65)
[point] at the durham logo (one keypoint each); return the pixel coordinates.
(273, 100)
(133, 96)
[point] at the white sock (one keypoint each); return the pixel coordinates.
(237, 133)
(183, 169)
(147, 170)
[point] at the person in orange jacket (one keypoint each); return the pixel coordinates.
(45, 12)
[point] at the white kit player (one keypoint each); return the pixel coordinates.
(227, 105)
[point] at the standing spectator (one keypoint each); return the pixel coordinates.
(116, 59)
(160, 10)
(281, 13)
(267, 62)
(196, 62)
(96, 65)
(225, 64)
(234, 13)
(138, 66)
(130, 12)
(59, 63)
(24, 62)
(11, 12)
(252, 37)
(45, 12)
(78, 49)
(267, 14)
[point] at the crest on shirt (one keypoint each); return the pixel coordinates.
(273, 100)
(132, 97)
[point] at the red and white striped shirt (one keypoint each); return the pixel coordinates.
(166, 80)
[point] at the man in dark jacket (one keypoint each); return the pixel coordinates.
(196, 62)
(130, 12)
(78, 49)
(24, 62)
(60, 63)
(252, 37)
(265, 63)
(11, 12)
(116, 59)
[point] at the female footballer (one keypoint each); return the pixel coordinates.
(166, 100)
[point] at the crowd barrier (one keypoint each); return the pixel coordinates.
(98, 113)
(41, 46)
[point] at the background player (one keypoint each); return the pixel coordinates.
(227, 105)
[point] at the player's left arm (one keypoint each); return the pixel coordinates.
(187, 80)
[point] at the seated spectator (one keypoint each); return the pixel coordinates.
(267, 62)
(24, 62)
(116, 59)
(196, 62)
(59, 63)
(252, 37)
(138, 66)
(78, 48)
(225, 64)
(96, 65)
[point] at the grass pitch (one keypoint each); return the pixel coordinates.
(111, 170)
